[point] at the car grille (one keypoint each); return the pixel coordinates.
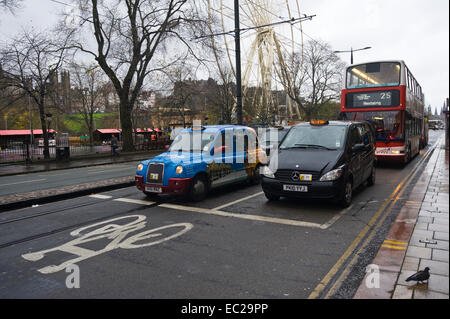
(285, 174)
(155, 168)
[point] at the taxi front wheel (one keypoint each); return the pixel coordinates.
(371, 179)
(348, 194)
(255, 179)
(198, 189)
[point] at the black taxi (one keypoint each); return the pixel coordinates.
(322, 160)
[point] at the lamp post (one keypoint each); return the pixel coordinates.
(351, 52)
(237, 40)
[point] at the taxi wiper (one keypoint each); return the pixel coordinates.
(314, 146)
(295, 146)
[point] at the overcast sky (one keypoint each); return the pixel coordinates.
(416, 31)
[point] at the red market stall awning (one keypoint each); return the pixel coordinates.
(109, 131)
(22, 132)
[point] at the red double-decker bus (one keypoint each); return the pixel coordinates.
(387, 94)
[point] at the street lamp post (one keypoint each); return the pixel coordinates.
(238, 63)
(351, 52)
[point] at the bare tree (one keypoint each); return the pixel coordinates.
(128, 36)
(33, 59)
(180, 101)
(224, 99)
(88, 81)
(313, 80)
(10, 5)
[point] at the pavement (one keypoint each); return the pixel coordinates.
(418, 238)
(34, 198)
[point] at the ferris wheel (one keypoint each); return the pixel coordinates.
(271, 32)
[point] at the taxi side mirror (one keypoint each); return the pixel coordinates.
(268, 149)
(166, 147)
(357, 147)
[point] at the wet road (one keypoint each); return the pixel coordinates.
(234, 244)
(24, 183)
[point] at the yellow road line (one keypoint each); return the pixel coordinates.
(393, 247)
(396, 242)
(334, 270)
(388, 210)
(324, 282)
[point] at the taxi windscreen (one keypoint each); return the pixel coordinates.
(194, 142)
(330, 137)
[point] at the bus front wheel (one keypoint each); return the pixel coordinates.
(408, 155)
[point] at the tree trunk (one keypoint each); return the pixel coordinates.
(45, 134)
(91, 130)
(127, 127)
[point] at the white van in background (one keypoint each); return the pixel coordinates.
(50, 142)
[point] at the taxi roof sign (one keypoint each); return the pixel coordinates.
(319, 122)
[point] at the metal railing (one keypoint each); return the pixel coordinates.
(22, 152)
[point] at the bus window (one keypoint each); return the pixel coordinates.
(373, 75)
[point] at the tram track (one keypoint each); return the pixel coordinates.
(51, 212)
(62, 229)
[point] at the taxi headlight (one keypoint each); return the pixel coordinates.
(332, 175)
(267, 172)
(140, 167)
(179, 169)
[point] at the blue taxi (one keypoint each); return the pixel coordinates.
(201, 158)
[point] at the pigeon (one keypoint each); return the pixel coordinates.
(420, 276)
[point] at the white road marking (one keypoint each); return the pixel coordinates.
(335, 218)
(237, 201)
(134, 201)
(242, 216)
(109, 170)
(100, 196)
(218, 212)
(50, 175)
(115, 232)
(32, 181)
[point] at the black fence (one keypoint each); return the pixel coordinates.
(22, 152)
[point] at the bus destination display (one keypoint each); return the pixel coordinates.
(373, 99)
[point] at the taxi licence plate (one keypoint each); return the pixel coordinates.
(295, 188)
(305, 177)
(153, 189)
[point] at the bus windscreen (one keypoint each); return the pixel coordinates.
(387, 124)
(373, 75)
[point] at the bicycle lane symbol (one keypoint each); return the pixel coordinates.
(116, 232)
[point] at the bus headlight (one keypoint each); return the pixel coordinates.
(179, 169)
(140, 167)
(332, 175)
